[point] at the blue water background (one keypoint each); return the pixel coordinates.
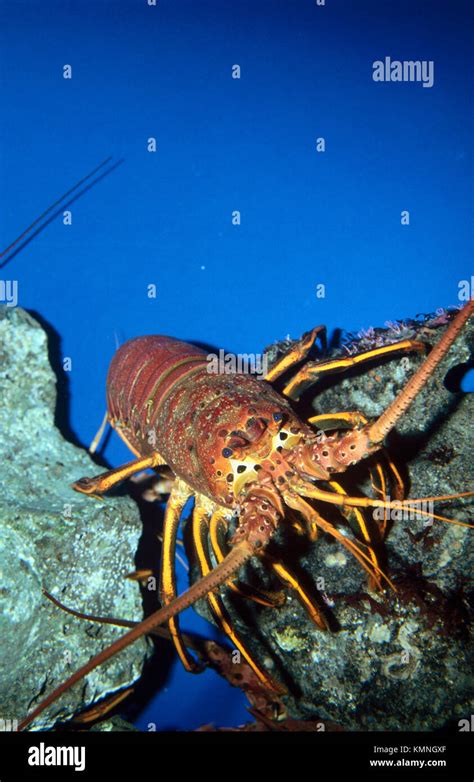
(225, 144)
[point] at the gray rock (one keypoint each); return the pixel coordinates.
(78, 548)
(398, 661)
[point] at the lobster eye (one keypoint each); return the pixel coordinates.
(278, 417)
(226, 452)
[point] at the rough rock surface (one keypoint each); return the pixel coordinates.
(395, 661)
(51, 537)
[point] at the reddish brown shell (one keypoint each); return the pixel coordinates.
(161, 397)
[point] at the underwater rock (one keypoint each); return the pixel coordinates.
(53, 538)
(395, 661)
(114, 724)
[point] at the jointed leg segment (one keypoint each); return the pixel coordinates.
(217, 529)
(297, 353)
(312, 371)
(202, 513)
(176, 502)
(106, 480)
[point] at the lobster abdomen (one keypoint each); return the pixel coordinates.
(145, 368)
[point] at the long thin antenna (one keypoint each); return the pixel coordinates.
(53, 206)
(380, 428)
(219, 575)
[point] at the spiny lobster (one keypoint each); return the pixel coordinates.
(237, 446)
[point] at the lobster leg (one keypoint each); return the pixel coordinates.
(375, 580)
(397, 480)
(290, 580)
(174, 507)
(260, 596)
(346, 501)
(297, 353)
(352, 419)
(106, 480)
(313, 517)
(380, 487)
(201, 515)
(313, 370)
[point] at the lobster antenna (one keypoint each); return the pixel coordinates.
(53, 206)
(233, 561)
(378, 430)
(160, 632)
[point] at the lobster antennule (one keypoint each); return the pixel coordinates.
(219, 575)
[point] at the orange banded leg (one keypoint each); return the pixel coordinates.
(217, 527)
(297, 353)
(349, 420)
(106, 480)
(374, 580)
(379, 485)
(356, 549)
(312, 370)
(397, 481)
(202, 512)
(174, 507)
(290, 580)
(307, 489)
